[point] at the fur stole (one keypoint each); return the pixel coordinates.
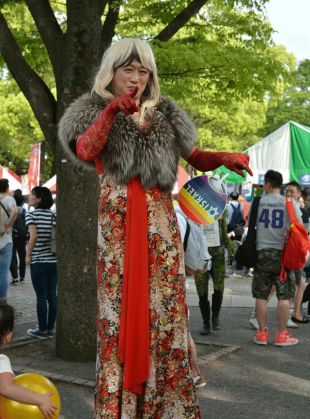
(152, 154)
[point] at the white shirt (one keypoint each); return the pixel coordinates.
(5, 365)
(273, 221)
(7, 202)
(230, 210)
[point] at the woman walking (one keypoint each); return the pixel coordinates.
(43, 263)
(135, 137)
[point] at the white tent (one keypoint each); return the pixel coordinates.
(52, 184)
(286, 150)
(15, 182)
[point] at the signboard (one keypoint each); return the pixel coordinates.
(212, 233)
(203, 199)
(261, 178)
(304, 179)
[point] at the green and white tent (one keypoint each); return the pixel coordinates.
(286, 150)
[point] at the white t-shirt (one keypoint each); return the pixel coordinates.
(273, 221)
(7, 202)
(231, 210)
(182, 225)
(5, 364)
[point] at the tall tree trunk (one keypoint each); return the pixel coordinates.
(77, 205)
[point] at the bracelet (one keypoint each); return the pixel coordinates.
(28, 247)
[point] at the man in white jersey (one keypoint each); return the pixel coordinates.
(272, 225)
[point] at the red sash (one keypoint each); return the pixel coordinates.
(134, 341)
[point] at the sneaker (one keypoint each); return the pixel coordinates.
(291, 324)
(253, 321)
(14, 282)
(50, 334)
(260, 338)
(22, 280)
(37, 334)
(206, 329)
(284, 339)
(199, 381)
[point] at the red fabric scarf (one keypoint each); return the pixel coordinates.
(134, 341)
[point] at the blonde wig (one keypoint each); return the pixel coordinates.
(121, 53)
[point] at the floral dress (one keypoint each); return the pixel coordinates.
(169, 393)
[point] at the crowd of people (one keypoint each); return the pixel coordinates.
(25, 238)
(272, 224)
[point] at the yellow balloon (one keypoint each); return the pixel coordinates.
(10, 409)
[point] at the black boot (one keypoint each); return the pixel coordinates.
(205, 311)
(217, 299)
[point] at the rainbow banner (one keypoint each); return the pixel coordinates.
(200, 202)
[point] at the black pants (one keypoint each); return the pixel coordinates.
(19, 246)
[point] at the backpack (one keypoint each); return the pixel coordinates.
(196, 256)
(53, 234)
(296, 249)
(236, 219)
(20, 229)
(4, 216)
(246, 253)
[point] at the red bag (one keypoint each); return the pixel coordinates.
(296, 249)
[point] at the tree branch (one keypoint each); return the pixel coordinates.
(102, 5)
(33, 87)
(48, 28)
(180, 20)
(108, 29)
(6, 155)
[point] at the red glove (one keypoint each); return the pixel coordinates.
(92, 142)
(209, 160)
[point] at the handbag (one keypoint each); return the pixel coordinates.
(296, 249)
(246, 253)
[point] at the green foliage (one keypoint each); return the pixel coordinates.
(29, 41)
(228, 51)
(19, 129)
(294, 104)
(221, 66)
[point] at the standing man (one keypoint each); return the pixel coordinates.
(272, 223)
(293, 190)
(9, 212)
(235, 215)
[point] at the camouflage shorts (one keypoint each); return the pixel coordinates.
(298, 275)
(267, 273)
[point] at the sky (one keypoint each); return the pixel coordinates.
(290, 18)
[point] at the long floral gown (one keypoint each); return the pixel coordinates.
(169, 393)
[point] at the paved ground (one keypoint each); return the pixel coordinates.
(255, 382)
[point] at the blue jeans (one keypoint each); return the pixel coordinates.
(5, 262)
(44, 281)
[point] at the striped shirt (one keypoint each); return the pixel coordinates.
(42, 220)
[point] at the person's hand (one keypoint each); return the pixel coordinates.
(47, 407)
(125, 103)
(28, 260)
(236, 162)
(210, 160)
